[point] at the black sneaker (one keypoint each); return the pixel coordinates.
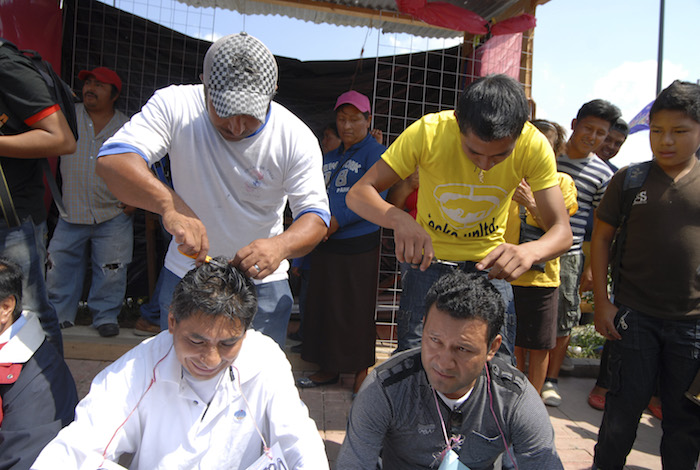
(108, 329)
(66, 324)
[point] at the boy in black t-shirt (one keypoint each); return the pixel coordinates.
(654, 325)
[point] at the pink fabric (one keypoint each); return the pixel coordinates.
(500, 54)
(453, 17)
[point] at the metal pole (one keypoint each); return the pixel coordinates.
(660, 58)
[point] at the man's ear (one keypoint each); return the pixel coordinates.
(573, 124)
(7, 308)
(493, 348)
(171, 322)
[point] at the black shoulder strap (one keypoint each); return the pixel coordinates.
(635, 177)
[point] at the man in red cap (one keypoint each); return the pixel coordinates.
(94, 218)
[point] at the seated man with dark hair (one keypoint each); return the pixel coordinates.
(208, 393)
(451, 399)
(37, 391)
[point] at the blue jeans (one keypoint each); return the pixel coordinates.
(151, 311)
(415, 285)
(110, 245)
(25, 245)
(274, 306)
(651, 348)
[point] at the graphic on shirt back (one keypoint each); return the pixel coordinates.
(467, 207)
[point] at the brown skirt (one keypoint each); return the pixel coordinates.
(536, 313)
(339, 328)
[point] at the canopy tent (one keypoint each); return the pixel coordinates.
(389, 15)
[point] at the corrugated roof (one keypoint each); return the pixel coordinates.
(357, 13)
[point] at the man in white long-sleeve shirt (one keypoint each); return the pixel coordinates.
(205, 394)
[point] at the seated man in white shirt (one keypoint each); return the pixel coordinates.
(208, 393)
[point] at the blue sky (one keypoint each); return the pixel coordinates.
(603, 49)
(583, 49)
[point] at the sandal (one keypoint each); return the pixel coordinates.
(596, 401)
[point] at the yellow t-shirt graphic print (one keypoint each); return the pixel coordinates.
(465, 216)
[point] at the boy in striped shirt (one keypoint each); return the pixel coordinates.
(591, 176)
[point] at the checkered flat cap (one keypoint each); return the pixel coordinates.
(241, 76)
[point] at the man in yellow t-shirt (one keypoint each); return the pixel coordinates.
(469, 161)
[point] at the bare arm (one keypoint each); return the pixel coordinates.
(605, 311)
(523, 196)
(267, 253)
(129, 179)
(510, 261)
(49, 137)
(400, 191)
(413, 244)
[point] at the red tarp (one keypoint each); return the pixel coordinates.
(453, 17)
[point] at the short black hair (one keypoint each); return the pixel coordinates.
(679, 96)
(11, 284)
(621, 126)
(215, 289)
(466, 296)
(602, 109)
(492, 108)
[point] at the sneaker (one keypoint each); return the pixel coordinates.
(143, 327)
(550, 394)
(567, 365)
(108, 329)
(66, 324)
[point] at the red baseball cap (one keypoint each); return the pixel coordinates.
(104, 75)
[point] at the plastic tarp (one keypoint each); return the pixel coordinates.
(453, 17)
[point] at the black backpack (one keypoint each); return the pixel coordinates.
(59, 90)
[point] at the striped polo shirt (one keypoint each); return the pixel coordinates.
(591, 176)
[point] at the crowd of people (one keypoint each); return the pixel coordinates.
(499, 223)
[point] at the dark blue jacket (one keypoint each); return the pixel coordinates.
(35, 407)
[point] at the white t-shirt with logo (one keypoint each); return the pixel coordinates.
(238, 189)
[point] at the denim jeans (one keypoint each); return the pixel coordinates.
(274, 306)
(415, 285)
(651, 347)
(25, 245)
(150, 311)
(110, 246)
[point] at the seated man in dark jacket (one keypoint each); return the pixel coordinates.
(37, 391)
(450, 401)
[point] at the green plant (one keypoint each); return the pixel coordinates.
(587, 339)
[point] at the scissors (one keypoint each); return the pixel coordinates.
(207, 259)
(438, 261)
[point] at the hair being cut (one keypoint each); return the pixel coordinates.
(11, 284)
(492, 108)
(679, 96)
(215, 289)
(602, 109)
(466, 296)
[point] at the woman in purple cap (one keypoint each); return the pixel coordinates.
(339, 330)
